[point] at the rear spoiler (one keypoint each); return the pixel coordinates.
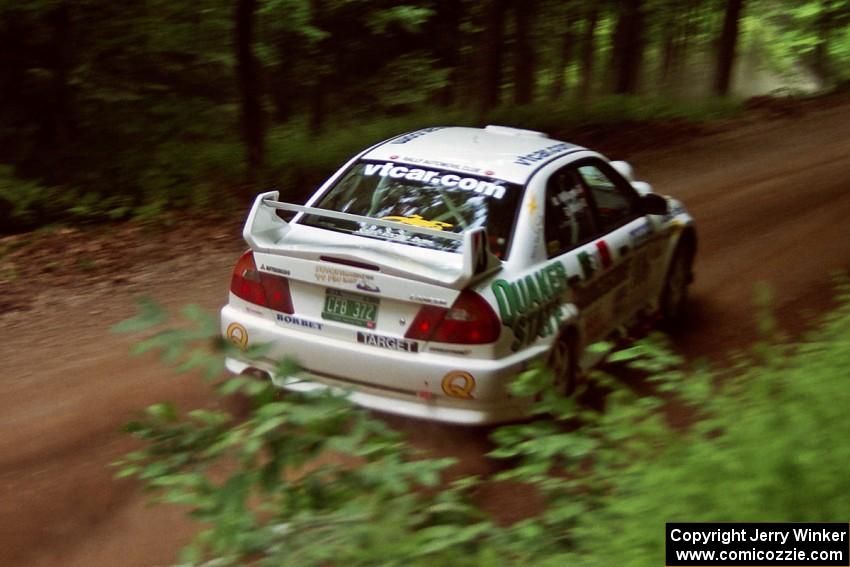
(264, 230)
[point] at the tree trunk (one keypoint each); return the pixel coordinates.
(628, 47)
(447, 48)
(60, 55)
(54, 113)
(565, 56)
(318, 109)
(726, 47)
(669, 48)
(248, 77)
(524, 63)
(588, 51)
(821, 64)
(492, 37)
(280, 83)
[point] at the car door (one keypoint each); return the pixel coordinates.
(573, 235)
(625, 235)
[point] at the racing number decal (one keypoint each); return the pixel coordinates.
(237, 334)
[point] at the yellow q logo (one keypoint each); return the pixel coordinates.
(237, 334)
(459, 384)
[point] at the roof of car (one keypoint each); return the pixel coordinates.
(501, 152)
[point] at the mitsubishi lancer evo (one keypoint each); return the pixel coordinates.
(433, 267)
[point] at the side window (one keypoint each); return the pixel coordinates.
(568, 217)
(615, 203)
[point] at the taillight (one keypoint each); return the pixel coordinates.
(245, 282)
(426, 322)
(469, 321)
(260, 288)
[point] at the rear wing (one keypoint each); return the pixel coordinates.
(264, 231)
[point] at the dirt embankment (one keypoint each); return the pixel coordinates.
(772, 202)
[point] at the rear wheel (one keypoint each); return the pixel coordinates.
(563, 363)
(675, 295)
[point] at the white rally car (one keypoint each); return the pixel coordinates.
(433, 267)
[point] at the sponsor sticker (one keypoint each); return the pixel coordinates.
(436, 178)
(387, 233)
(328, 274)
(237, 334)
(547, 152)
(531, 306)
(459, 384)
(449, 350)
(604, 253)
(363, 285)
(299, 322)
(390, 343)
(641, 234)
(274, 270)
(586, 295)
(428, 300)
(675, 209)
(589, 264)
(443, 164)
(417, 220)
(405, 138)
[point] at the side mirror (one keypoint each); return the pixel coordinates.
(642, 187)
(654, 204)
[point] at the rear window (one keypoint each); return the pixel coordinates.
(420, 196)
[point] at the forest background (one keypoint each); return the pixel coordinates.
(112, 110)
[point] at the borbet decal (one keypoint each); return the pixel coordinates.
(289, 319)
(390, 169)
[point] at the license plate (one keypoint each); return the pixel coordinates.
(351, 308)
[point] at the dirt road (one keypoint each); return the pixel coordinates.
(772, 202)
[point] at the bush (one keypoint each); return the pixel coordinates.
(22, 202)
(309, 480)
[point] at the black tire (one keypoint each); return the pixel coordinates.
(674, 297)
(563, 362)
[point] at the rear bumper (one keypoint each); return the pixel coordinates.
(392, 402)
(403, 383)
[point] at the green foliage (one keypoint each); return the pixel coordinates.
(21, 201)
(811, 33)
(310, 480)
(304, 479)
(110, 111)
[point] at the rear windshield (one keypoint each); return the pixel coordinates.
(421, 196)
